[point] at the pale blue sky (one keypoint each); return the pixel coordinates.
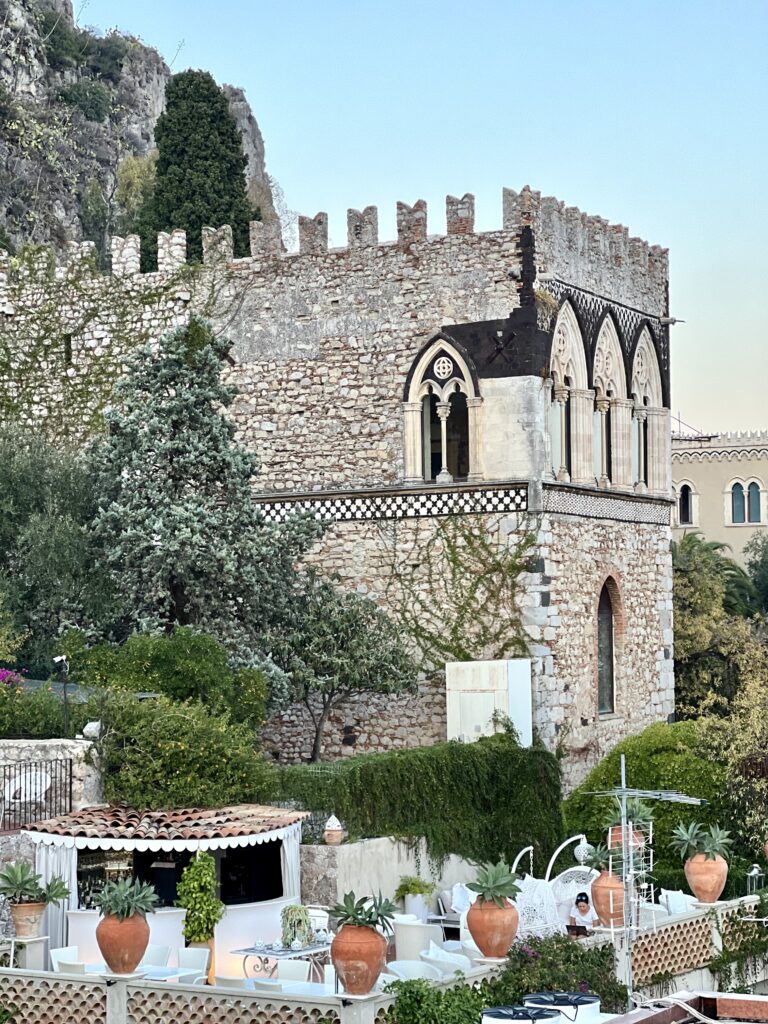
(649, 114)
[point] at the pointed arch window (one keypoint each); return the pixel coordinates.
(753, 503)
(738, 510)
(685, 506)
(606, 701)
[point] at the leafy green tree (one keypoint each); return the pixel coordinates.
(712, 594)
(756, 552)
(342, 647)
(135, 185)
(181, 534)
(200, 178)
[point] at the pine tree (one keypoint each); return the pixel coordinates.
(182, 536)
(200, 173)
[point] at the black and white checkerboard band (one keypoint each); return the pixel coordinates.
(403, 505)
(605, 506)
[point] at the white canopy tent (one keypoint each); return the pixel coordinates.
(58, 841)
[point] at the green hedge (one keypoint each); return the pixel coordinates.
(479, 800)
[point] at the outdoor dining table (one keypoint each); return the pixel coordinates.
(317, 953)
(295, 988)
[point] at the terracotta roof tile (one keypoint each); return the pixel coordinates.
(122, 822)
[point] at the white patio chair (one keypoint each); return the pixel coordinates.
(320, 917)
(67, 953)
(293, 970)
(448, 965)
(71, 967)
(470, 950)
(155, 956)
(537, 907)
(411, 937)
(405, 970)
(227, 982)
(567, 885)
(26, 788)
(263, 985)
(194, 958)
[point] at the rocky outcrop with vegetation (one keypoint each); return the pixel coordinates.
(74, 105)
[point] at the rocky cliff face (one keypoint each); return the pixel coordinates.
(72, 106)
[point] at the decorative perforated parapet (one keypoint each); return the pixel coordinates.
(52, 1000)
(726, 447)
(571, 502)
(409, 504)
(673, 949)
(147, 1006)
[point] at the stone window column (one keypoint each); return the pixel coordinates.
(561, 397)
(603, 406)
(621, 442)
(582, 403)
(641, 483)
(659, 456)
(443, 412)
(412, 429)
(473, 423)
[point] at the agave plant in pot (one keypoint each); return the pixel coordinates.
(123, 932)
(493, 919)
(359, 949)
(704, 852)
(638, 814)
(196, 893)
(28, 898)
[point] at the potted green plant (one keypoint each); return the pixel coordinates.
(197, 894)
(297, 925)
(27, 898)
(359, 948)
(493, 919)
(705, 852)
(123, 932)
(414, 893)
(638, 813)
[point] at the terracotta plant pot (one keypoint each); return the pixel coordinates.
(122, 943)
(493, 928)
(210, 945)
(608, 899)
(27, 919)
(358, 954)
(706, 877)
(614, 838)
(333, 836)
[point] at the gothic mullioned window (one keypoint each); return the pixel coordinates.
(753, 503)
(650, 454)
(738, 509)
(440, 417)
(612, 411)
(570, 418)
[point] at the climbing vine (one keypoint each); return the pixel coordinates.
(743, 956)
(454, 584)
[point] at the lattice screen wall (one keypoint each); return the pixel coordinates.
(36, 1000)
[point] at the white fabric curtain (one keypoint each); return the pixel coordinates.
(290, 862)
(51, 861)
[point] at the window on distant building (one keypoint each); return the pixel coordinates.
(753, 503)
(605, 653)
(738, 512)
(685, 506)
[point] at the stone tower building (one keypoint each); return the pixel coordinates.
(519, 375)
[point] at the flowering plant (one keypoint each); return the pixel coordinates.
(10, 678)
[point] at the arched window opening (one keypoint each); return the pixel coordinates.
(737, 504)
(685, 506)
(457, 440)
(753, 503)
(431, 441)
(568, 371)
(605, 654)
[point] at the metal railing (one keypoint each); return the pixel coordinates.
(34, 790)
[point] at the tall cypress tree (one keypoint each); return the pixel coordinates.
(200, 174)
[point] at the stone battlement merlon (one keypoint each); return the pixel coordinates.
(737, 438)
(580, 250)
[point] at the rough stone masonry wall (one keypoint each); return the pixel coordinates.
(558, 605)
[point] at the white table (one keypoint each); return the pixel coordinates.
(294, 988)
(317, 954)
(149, 973)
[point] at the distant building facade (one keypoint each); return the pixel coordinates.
(721, 486)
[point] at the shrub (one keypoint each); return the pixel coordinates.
(64, 45)
(197, 894)
(37, 714)
(480, 800)
(158, 753)
(183, 665)
(92, 99)
(661, 757)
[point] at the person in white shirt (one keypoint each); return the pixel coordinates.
(582, 912)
